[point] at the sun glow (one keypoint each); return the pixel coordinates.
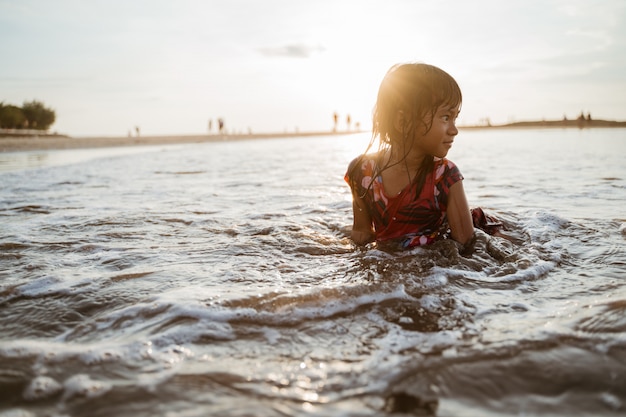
(290, 65)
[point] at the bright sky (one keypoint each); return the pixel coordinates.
(106, 66)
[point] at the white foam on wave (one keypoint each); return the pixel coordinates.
(145, 317)
(17, 412)
(516, 274)
(397, 341)
(542, 226)
(437, 279)
(41, 387)
(191, 321)
(82, 385)
(51, 285)
(48, 353)
(158, 364)
(42, 286)
(431, 302)
(612, 401)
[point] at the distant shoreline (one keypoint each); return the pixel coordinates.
(574, 123)
(17, 143)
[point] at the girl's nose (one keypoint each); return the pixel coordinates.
(452, 130)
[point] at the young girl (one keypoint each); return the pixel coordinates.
(407, 192)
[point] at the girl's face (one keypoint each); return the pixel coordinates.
(438, 140)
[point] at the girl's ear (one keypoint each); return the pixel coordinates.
(399, 121)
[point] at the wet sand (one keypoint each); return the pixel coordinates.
(50, 142)
(20, 144)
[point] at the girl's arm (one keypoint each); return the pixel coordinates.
(459, 217)
(362, 226)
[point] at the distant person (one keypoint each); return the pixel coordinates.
(137, 131)
(210, 125)
(220, 125)
(348, 121)
(408, 192)
(335, 120)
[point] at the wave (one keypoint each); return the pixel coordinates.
(389, 330)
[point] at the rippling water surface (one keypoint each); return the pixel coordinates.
(218, 279)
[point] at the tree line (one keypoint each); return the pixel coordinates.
(32, 115)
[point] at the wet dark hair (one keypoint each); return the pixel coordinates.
(417, 91)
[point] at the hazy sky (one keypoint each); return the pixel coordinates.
(106, 66)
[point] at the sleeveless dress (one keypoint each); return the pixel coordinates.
(407, 218)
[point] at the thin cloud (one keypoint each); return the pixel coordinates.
(292, 51)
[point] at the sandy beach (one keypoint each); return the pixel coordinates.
(49, 142)
(22, 144)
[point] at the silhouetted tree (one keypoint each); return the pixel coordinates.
(37, 115)
(11, 117)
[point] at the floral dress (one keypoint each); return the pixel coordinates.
(408, 218)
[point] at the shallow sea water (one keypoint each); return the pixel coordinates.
(218, 279)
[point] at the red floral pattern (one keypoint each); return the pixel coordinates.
(410, 218)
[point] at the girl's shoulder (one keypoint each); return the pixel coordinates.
(362, 167)
(364, 162)
(446, 170)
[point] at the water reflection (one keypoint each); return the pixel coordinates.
(12, 161)
(17, 161)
